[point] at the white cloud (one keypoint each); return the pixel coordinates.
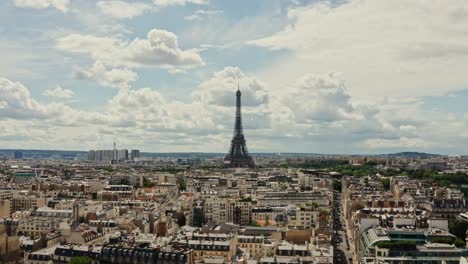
(18, 104)
(319, 108)
(59, 92)
(61, 5)
(320, 98)
(121, 9)
(314, 114)
(93, 45)
(116, 77)
(160, 48)
(179, 2)
(381, 47)
(209, 117)
(147, 109)
(202, 14)
(220, 89)
(16, 101)
(217, 95)
(135, 115)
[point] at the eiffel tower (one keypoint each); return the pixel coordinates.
(238, 155)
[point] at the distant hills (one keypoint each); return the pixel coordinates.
(412, 155)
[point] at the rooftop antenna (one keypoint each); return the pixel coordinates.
(114, 152)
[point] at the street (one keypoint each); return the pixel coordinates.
(342, 253)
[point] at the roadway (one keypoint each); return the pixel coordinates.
(342, 253)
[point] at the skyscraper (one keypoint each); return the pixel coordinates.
(122, 154)
(107, 156)
(135, 153)
(238, 155)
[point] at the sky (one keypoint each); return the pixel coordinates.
(342, 76)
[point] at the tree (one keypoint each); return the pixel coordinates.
(443, 240)
(80, 260)
(459, 243)
(406, 245)
(181, 183)
(147, 183)
(108, 169)
(459, 229)
(337, 185)
(386, 183)
(254, 223)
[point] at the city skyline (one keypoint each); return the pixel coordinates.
(330, 77)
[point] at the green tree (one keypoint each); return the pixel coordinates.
(459, 243)
(408, 245)
(254, 223)
(80, 260)
(108, 169)
(181, 183)
(459, 229)
(337, 185)
(386, 183)
(147, 183)
(443, 240)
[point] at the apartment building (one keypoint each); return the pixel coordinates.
(26, 202)
(239, 211)
(215, 209)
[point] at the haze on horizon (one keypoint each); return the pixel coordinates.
(357, 76)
